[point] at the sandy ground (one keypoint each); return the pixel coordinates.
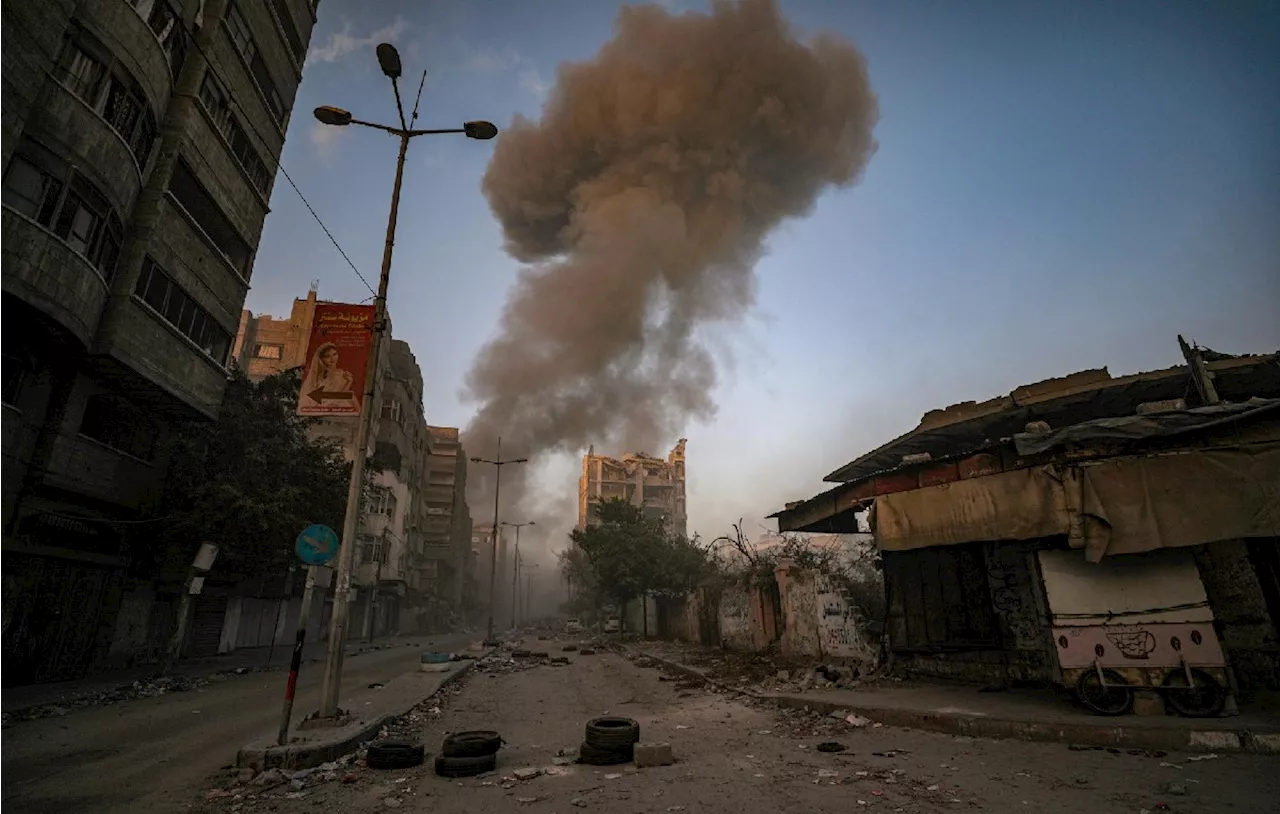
(146, 755)
(736, 756)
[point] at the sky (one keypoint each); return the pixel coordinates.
(1058, 186)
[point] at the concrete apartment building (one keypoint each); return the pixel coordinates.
(140, 142)
(654, 484)
(415, 525)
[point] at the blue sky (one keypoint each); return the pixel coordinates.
(1058, 186)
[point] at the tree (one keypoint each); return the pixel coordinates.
(253, 479)
(628, 555)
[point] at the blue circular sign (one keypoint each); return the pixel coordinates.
(317, 544)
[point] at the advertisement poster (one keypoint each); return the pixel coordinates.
(337, 358)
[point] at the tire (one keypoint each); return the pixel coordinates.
(471, 744)
(465, 766)
(1114, 699)
(612, 732)
(1205, 700)
(598, 756)
(395, 754)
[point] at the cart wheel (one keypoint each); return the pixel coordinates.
(1203, 700)
(1116, 698)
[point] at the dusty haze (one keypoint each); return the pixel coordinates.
(640, 202)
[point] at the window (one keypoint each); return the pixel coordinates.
(242, 38)
(15, 376)
(159, 291)
(269, 352)
(116, 98)
(394, 411)
(382, 501)
(81, 217)
(114, 422)
(166, 23)
(291, 35)
(238, 31)
(193, 198)
(217, 103)
(82, 74)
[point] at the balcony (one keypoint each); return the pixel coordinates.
(44, 271)
(134, 44)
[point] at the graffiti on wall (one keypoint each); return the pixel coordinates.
(1012, 596)
(840, 629)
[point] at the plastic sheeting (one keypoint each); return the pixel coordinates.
(1117, 506)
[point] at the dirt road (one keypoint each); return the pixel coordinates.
(146, 755)
(733, 757)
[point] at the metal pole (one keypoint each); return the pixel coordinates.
(493, 563)
(515, 579)
(295, 663)
(377, 583)
(346, 551)
(174, 649)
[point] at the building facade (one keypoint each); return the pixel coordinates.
(415, 520)
(141, 140)
(654, 484)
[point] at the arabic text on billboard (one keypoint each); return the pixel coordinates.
(337, 358)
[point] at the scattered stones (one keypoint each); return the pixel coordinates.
(578, 802)
(526, 774)
(1176, 789)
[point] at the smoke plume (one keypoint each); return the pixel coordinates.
(640, 202)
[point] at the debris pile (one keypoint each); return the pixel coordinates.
(143, 688)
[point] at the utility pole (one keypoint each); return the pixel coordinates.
(515, 572)
(389, 61)
(497, 463)
(377, 583)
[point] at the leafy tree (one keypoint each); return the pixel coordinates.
(627, 555)
(252, 480)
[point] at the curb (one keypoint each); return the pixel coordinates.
(1170, 739)
(310, 755)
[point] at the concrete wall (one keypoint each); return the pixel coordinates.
(842, 629)
(736, 619)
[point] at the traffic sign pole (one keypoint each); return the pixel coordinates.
(316, 545)
(304, 615)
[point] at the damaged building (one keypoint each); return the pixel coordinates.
(654, 484)
(1116, 535)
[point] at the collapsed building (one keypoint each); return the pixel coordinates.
(656, 485)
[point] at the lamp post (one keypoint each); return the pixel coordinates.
(497, 463)
(515, 571)
(389, 60)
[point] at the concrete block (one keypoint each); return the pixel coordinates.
(653, 754)
(1211, 740)
(1148, 703)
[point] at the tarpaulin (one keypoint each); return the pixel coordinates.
(1117, 506)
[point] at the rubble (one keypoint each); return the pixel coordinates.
(142, 688)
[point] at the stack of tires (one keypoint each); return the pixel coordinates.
(610, 740)
(467, 754)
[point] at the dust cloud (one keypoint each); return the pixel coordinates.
(640, 202)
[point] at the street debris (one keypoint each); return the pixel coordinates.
(831, 746)
(142, 688)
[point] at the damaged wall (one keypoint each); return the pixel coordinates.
(1233, 577)
(799, 613)
(736, 619)
(843, 633)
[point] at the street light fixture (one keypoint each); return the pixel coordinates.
(389, 60)
(497, 463)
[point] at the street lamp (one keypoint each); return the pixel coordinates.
(515, 571)
(389, 60)
(497, 463)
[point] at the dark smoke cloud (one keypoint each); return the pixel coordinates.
(641, 201)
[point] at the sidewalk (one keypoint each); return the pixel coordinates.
(251, 659)
(1040, 715)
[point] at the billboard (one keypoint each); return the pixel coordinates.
(337, 359)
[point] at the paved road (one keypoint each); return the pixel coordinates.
(735, 758)
(146, 755)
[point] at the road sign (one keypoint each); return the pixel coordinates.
(317, 544)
